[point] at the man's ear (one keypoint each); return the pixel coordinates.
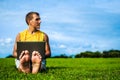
(29, 21)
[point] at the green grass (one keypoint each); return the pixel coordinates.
(66, 69)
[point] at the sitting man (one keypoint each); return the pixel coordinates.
(32, 34)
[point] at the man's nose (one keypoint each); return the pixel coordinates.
(39, 21)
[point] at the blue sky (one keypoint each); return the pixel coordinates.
(73, 26)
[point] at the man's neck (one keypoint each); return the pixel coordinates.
(32, 30)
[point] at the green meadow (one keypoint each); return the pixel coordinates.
(66, 69)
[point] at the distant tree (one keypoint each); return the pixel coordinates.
(105, 54)
(78, 55)
(61, 56)
(111, 53)
(9, 56)
(71, 56)
(97, 54)
(86, 54)
(114, 53)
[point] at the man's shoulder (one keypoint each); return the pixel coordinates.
(45, 36)
(41, 32)
(24, 31)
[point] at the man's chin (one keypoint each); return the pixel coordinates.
(38, 27)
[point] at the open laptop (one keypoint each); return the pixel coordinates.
(31, 46)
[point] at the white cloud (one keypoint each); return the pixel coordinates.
(6, 46)
(1, 40)
(6, 41)
(62, 46)
(57, 36)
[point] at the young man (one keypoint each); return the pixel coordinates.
(31, 34)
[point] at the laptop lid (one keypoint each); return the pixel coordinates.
(31, 46)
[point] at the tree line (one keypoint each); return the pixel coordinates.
(97, 54)
(90, 54)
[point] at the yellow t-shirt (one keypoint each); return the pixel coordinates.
(26, 36)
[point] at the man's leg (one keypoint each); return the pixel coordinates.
(24, 62)
(36, 62)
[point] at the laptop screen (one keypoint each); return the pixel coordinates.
(31, 46)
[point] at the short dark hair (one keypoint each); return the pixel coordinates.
(29, 16)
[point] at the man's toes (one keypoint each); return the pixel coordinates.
(26, 52)
(39, 55)
(33, 53)
(22, 54)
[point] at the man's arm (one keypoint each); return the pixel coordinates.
(15, 46)
(47, 46)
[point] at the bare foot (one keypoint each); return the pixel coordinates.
(24, 62)
(36, 62)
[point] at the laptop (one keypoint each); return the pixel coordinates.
(31, 46)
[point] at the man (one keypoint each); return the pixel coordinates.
(32, 34)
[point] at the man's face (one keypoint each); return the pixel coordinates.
(35, 22)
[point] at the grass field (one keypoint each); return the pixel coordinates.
(66, 69)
